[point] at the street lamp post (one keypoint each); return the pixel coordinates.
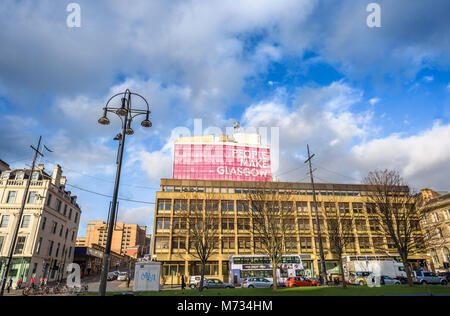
(126, 114)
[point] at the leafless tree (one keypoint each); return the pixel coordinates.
(271, 217)
(397, 213)
(340, 232)
(201, 229)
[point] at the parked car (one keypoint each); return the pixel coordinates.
(428, 277)
(111, 276)
(217, 284)
(445, 275)
(123, 276)
(194, 281)
(300, 281)
(360, 277)
(387, 280)
(256, 283)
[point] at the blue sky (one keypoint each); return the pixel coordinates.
(363, 98)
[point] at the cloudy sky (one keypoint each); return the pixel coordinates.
(363, 98)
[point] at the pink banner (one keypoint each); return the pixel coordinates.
(221, 162)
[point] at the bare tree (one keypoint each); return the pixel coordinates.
(271, 216)
(397, 213)
(340, 232)
(201, 229)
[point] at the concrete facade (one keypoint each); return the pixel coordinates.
(236, 236)
(46, 240)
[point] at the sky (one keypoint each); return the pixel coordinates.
(362, 97)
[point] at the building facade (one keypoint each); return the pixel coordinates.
(46, 239)
(125, 236)
(240, 158)
(436, 225)
(90, 260)
(231, 204)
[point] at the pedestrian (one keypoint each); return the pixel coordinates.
(32, 282)
(183, 284)
(41, 282)
(128, 281)
(9, 285)
(18, 284)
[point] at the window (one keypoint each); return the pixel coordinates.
(5, 221)
(303, 224)
(344, 208)
(228, 224)
(61, 231)
(76, 218)
(228, 243)
(364, 243)
(20, 175)
(212, 206)
(305, 243)
(357, 208)
(180, 205)
(244, 243)
(227, 206)
(39, 245)
(164, 205)
(26, 221)
(2, 240)
(291, 243)
(65, 210)
(178, 243)
(32, 198)
(35, 175)
(50, 248)
(70, 214)
(242, 206)
(5, 175)
(58, 206)
(163, 225)
(289, 224)
(243, 224)
(161, 243)
(361, 225)
(55, 225)
(44, 221)
(49, 200)
(11, 197)
(20, 245)
(57, 250)
(371, 208)
(179, 224)
(302, 208)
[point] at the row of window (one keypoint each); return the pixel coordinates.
(5, 219)
(304, 243)
(62, 209)
(165, 205)
(33, 197)
(229, 224)
(254, 191)
(21, 242)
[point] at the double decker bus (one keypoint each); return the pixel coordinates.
(245, 266)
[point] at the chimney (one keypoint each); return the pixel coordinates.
(56, 176)
(63, 181)
(40, 167)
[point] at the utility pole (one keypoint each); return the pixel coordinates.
(19, 218)
(319, 233)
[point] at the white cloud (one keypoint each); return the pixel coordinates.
(423, 159)
(142, 216)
